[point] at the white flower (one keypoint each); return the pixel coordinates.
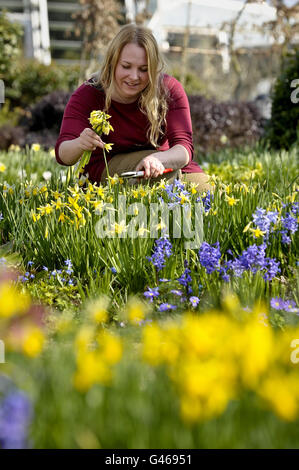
(82, 180)
(47, 175)
(22, 174)
(62, 176)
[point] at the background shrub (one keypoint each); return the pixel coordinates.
(42, 120)
(215, 125)
(283, 129)
(39, 123)
(47, 113)
(10, 45)
(34, 80)
(193, 84)
(219, 125)
(11, 135)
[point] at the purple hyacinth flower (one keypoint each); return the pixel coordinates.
(162, 249)
(209, 256)
(295, 208)
(272, 269)
(206, 200)
(15, 418)
(185, 278)
(285, 238)
(289, 223)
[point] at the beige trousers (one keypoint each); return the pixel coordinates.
(123, 162)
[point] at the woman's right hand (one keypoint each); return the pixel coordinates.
(89, 140)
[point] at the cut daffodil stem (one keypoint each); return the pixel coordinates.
(83, 161)
(99, 122)
(107, 169)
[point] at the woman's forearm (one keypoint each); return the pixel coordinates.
(176, 157)
(70, 152)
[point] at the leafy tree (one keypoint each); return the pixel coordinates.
(10, 45)
(285, 27)
(97, 22)
(284, 124)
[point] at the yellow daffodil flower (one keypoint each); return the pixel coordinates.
(35, 147)
(62, 217)
(108, 147)
(12, 302)
(257, 232)
(231, 201)
(142, 192)
(33, 342)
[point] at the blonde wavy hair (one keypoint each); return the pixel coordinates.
(153, 101)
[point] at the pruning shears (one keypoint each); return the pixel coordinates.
(140, 174)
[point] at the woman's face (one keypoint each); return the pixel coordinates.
(131, 74)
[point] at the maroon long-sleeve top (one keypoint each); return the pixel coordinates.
(129, 124)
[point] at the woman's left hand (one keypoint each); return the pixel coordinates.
(152, 167)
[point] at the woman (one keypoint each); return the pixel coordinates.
(149, 113)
